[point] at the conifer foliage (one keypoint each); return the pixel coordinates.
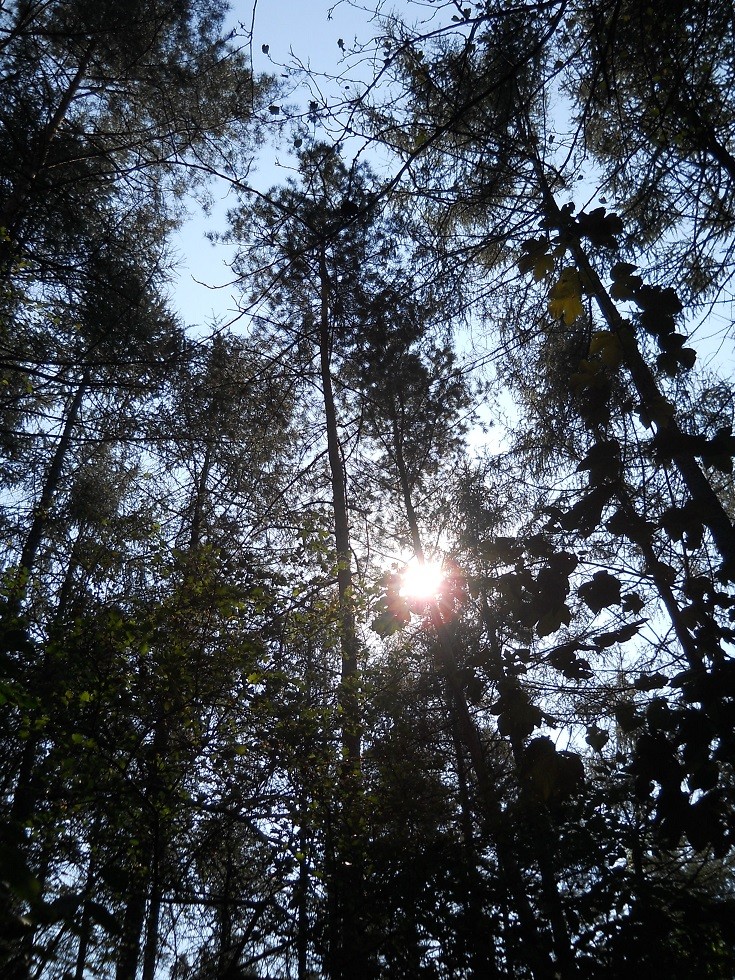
(235, 740)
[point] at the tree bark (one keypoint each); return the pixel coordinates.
(12, 212)
(350, 958)
(51, 481)
(533, 944)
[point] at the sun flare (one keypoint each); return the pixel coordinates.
(421, 581)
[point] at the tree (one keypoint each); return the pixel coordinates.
(232, 730)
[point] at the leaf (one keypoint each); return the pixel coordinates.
(655, 760)
(687, 357)
(680, 521)
(663, 302)
(586, 515)
(668, 362)
(597, 738)
(553, 620)
(608, 346)
(658, 412)
(505, 550)
(565, 298)
(601, 592)
(585, 376)
(517, 717)
(622, 270)
(519, 721)
(14, 870)
(600, 227)
(602, 461)
(554, 776)
(103, 917)
(475, 689)
(621, 635)
(543, 267)
(564, 658)
(627, 716)
(631, 526)
(705, 826)
(671, 341)
(650, 682)
(632, 602)
(387, 623)
(534, 255)
(62, 908)
(117, 877)
(622, 291)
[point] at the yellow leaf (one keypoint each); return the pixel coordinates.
(585, 375)
(543, 267)
(569, 307)
(565, 298)
(608, 346)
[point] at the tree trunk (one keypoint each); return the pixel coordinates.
(12, 213)
(350, 960)
(153, 918)
(533, 945)
(132, 930)
(48, 492)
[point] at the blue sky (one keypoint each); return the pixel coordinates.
(296, 32)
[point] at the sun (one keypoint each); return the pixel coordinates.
(422, 581)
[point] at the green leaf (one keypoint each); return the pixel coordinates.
(390, 621)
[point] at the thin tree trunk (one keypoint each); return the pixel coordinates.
(48, 493)
(85, 930)
(533, 944)
(131, 933)
(481, 952)
(153, 918)
(348, 636)
(198, 502)
(302, 893)
(350, 960)
(11, 213)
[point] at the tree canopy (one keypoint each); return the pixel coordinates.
(481, 326)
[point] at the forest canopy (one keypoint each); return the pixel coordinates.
(384, 629)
